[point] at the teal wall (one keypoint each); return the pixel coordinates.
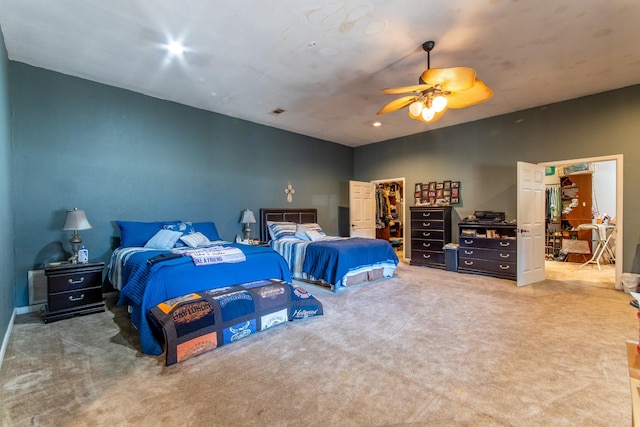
(119, 155)
(482, 155)
(67, 142)
(6, 211)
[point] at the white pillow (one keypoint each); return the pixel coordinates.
(314, 235)
(195, 240)
(163, 239)
(301, 232)
(315, 227)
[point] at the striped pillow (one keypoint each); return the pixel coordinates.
(314, 227)
(282, 230)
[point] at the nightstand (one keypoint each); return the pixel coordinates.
(73, 289)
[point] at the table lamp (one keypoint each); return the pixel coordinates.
(76, 220)
(246, 218)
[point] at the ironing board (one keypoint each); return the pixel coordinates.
(605, 232)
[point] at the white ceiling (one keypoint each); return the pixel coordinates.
(325, 61)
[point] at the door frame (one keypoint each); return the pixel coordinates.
(619, 158)
(404, 209)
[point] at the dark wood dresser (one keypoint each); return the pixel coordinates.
(430, 231)
(488, 249)
(73, 289)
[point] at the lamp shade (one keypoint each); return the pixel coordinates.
(246, 217)
(76, 220)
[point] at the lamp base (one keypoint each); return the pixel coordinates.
(246, 232)
(76, 243)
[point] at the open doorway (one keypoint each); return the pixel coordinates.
(391, 224)
(584, 220)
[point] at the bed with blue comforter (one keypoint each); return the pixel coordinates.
(147, 276)
(313, 256)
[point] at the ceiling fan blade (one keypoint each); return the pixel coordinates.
(452, 79)
(466, 98)
(405, 89)
(397, 104)
(435, 118)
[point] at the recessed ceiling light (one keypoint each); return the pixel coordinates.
(377, 124)
(175, 48)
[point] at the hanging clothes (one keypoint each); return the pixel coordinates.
(554, 201)
(382, 208)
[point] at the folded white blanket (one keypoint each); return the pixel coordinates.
(213, 255)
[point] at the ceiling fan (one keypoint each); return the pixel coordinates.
(438, 90)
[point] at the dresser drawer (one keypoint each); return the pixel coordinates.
(427, 234)
(479, 242)
(488, 254)
(427, 257)
(488, 266)
(428, 245)
(77, 298)
(73, 281)
(431, 214)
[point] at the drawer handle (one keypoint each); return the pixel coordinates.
(426, 224)
(426, 234)
(426, 256)
(76, 282)
(468, 242)
(426, 245)
(426, 214)
(80, 298)
(505, 244)
(468, 262)
(468, 252)
(505, 255)
(504, 267)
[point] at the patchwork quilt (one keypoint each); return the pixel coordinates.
(201, 321)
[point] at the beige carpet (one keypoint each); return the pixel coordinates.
(425, 348)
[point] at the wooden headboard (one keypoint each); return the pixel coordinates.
(299, 216)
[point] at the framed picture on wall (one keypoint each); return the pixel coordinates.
(455, 192)
(432, 186)
(446, 185)
(455, 200)
(439, 193)
(455, 184)
(439, 186)
(418, 187)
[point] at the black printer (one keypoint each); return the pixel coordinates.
(485, 217)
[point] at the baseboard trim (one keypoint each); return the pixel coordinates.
(7, 335)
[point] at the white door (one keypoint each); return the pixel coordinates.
(362, 209)
(531, 207)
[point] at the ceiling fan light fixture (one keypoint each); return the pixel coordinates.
(438, 89)
(428, 113)
(416, 107)
(439, 103)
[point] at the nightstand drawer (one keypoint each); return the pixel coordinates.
(73, 289)
(74, 281)
(77, 298)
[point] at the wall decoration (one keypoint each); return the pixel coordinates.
(289, 191)
(437, 193)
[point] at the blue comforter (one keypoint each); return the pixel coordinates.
(330, 260)
(143, 286)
